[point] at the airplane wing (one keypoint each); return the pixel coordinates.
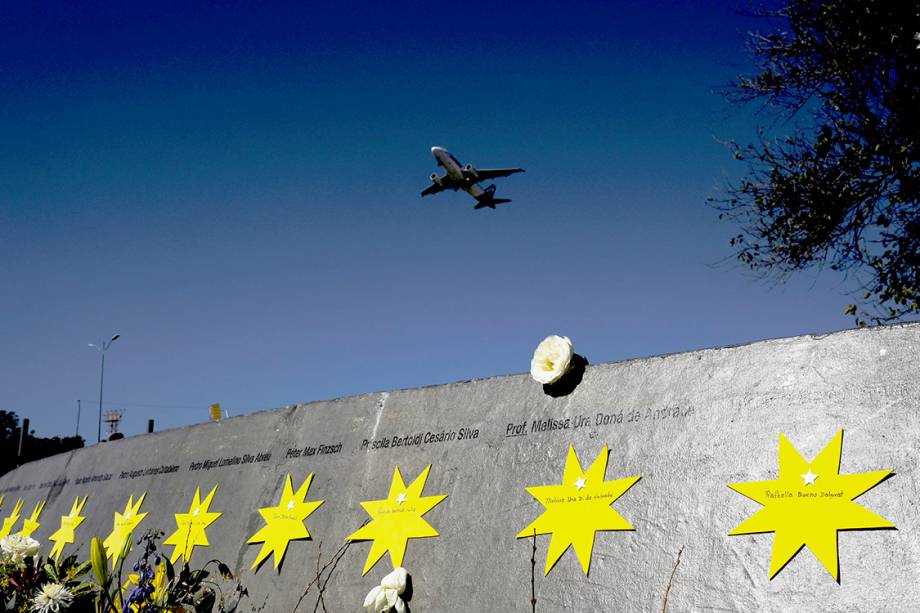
(484, 174)
(434, 188)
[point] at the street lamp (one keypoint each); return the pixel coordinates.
(103, 347)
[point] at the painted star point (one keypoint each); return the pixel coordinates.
(285, 522)
(69, 523)
(30, 524)
(122, 527)
(573, 521)
(394, 522)
(190, 527)
(802, 516)
(10, 521)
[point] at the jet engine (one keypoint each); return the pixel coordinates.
(470, 171)
(436, 179)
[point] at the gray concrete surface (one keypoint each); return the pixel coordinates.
(723, 412)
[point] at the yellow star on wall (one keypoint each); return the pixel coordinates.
(69, 524)
(284, 522)
(30, 524)
(577, 508)
(808, 504)
(191, 527)
(397, 519)
(122, 527)
(9, 522)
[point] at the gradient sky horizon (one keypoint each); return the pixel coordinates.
(235, 190)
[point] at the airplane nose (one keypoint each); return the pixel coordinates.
(435, 150)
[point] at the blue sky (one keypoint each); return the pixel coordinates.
(235, 190)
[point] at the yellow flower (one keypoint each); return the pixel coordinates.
(159, 585)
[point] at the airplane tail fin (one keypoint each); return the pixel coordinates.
(488, 199)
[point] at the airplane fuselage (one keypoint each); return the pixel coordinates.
(457, 176)
(454, 169)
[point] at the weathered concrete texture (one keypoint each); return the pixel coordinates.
(866, 382)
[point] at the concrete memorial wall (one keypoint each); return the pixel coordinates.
(687, 425)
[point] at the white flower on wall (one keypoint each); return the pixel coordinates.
(386, 596)
(551, 359)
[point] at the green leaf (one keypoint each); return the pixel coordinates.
(51, 572)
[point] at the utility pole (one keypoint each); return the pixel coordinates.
(77, 432)
(102, 349)
(23, 433)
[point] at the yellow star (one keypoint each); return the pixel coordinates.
(809, 514)
(30, 524)
(284, 522)
(9, 522)
(393, 522)
(191, 527)
(69, 523)
(577, 508)
(124, 524)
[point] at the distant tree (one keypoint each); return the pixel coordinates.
(9, 440)
(34, 448)
(834, 180)
(9, 426)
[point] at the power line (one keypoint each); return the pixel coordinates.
(143, 405)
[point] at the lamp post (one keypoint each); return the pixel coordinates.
(103, 347)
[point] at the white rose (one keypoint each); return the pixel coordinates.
(551, 359)
(19, 547)
(386, 595)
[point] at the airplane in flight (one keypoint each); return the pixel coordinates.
(457, 176)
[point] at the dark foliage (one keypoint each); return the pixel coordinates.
(33, 448)
(835, 179)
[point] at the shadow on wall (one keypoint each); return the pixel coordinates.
(570, 380)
